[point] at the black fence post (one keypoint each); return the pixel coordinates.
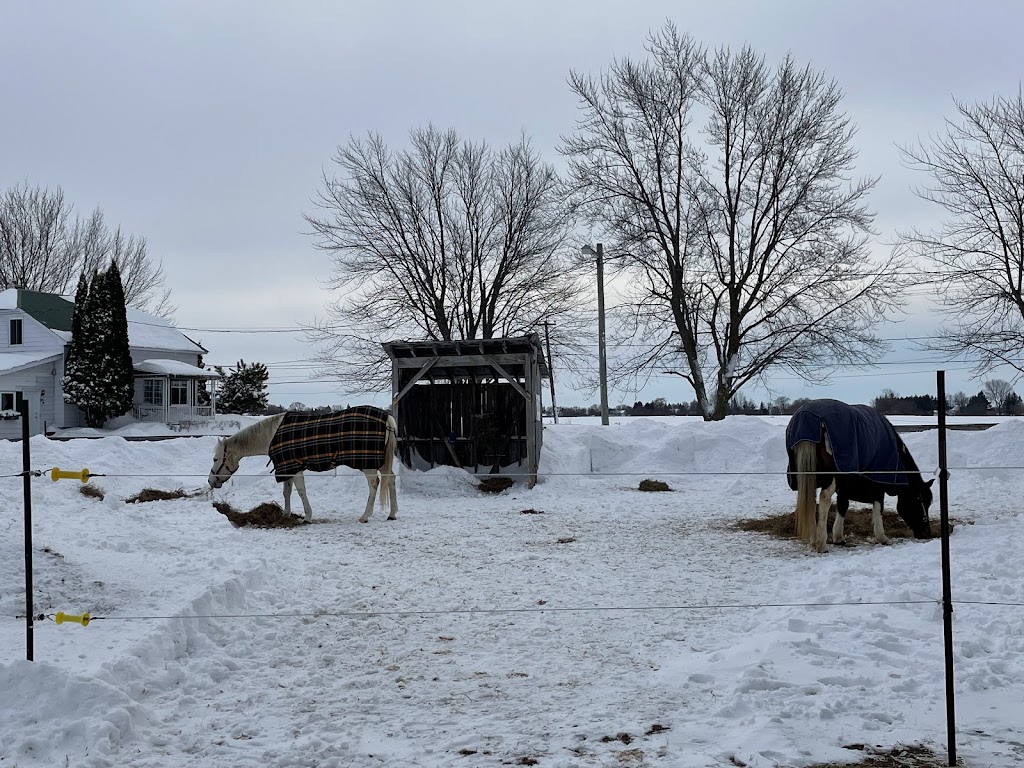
(26, 476)
(947, 590)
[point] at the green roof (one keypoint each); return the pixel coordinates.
(52, 311)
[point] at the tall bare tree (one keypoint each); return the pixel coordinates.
(44, 248)
(448, 239)
(977, 176)
(747, 248)
(998, 391)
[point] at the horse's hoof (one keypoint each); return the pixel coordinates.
(392, 518)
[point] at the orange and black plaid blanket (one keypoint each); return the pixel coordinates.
(352, 438)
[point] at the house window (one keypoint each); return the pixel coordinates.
(153, 392)
(9, 402)
(179, 392)
(15, 337)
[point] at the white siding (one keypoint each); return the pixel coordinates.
(37, 387)
(36, 337)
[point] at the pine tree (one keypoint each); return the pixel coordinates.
(98, 374)
(80, 368)
(119, 374)
(244, 390)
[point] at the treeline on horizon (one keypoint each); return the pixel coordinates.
(958, 404)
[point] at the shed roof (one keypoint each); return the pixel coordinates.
(512, 345)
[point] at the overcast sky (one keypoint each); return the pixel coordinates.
(205, 126)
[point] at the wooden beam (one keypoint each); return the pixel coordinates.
(450, 361)
(423, 368)
(515, 384)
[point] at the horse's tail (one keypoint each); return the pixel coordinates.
(806, 509)
(387, 476)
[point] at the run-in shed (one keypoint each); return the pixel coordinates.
(470, 403)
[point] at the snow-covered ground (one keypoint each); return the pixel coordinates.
(536, 625)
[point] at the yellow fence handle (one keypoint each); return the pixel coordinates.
(62, 617)
(66, 474)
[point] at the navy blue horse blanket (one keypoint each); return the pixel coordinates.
(353, 438)
(862, 440)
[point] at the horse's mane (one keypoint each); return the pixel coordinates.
(256, 437)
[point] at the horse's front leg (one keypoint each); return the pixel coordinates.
(824, 504)
(300, 485)
(842, 507)
(373, 481)
(287, 488)
(876, 522)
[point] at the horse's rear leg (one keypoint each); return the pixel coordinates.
(388, 495)
(842, 507)
(373, 481)
(876, 523)
(824, 504)
(300, 485)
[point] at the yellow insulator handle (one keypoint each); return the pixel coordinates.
(82, 619)
(67, 474)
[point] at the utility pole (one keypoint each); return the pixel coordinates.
(602, 360)
(551, 372)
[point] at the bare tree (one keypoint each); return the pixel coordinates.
(445, 240)
(42, 248)
(977, 176)
(747, 248)
(36, 240)
(998, 391)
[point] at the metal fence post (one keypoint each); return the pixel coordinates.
(947, 590)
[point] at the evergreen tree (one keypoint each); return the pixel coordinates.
(98, 374)
(76, 364)
(244, 390)
(82, 366)
(118, 372)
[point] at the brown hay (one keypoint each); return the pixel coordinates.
(267, 515)
(92, 491)
(653, 485)
(532, 512)
(153, 494)
(495, 484)
(858, 525)
(903, 756)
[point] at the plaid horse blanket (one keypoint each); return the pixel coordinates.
(352, 438)
(863, 440)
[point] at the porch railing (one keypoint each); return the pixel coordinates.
(172, 414)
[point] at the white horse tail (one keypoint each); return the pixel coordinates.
(388, 499)
(806, 508)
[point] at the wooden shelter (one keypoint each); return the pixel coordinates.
(469, 403)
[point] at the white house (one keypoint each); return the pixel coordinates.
(35, 333)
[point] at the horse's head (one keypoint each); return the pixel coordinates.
(912, 505)
(225, 464)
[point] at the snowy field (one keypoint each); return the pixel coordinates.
(581, 623)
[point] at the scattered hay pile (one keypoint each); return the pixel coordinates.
(91, 491)
(653, 485)
(857, 526)
(267, 515)
(908, 756)
(153, 494)
(495, 484)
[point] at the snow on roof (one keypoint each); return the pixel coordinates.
(173, 368)
(145, 331)
(151, 332)
(15, 361)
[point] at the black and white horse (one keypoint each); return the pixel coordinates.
(854, 452)
(362, 438)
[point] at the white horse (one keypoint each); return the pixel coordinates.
(256, 439)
